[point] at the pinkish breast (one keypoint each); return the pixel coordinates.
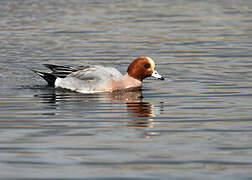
(124, 83)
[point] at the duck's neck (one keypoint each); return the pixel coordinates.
(130, 82)
(123, 83)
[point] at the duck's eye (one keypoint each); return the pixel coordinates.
(147, 66)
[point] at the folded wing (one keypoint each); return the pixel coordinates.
(81, 78)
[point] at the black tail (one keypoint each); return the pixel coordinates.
(50, 78)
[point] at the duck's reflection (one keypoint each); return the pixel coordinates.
(140, 113)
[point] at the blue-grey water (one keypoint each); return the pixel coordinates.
(197, 124)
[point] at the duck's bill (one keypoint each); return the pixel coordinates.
(158, 76)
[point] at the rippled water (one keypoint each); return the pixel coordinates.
(194, 125)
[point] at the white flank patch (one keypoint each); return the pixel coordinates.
(58, 82)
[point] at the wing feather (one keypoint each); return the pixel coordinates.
(63, 71)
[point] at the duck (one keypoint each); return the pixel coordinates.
(95, 78)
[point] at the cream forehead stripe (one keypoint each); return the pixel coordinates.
(151, 62)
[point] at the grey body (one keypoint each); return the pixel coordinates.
(92, 79)
(83, 79)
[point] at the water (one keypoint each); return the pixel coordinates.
(194, 125)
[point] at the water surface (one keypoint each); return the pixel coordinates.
(194, 125)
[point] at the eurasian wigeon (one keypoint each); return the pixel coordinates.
(90, 79)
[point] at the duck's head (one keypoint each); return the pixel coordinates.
(142, 68)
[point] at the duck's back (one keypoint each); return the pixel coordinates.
(88, 79)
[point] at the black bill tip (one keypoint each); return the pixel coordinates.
(162, 78)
